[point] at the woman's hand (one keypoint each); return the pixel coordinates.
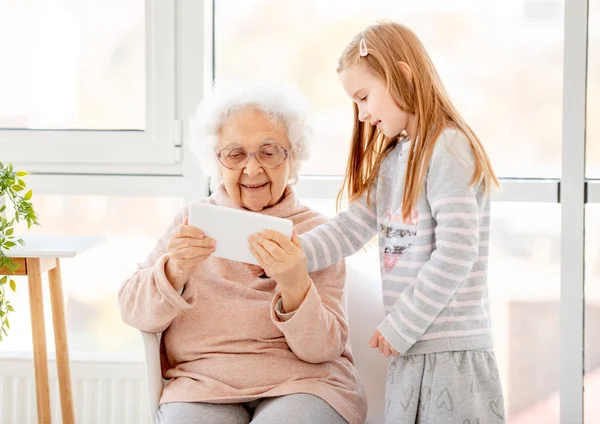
(187, 248)
(255, 270)
(285, 262)
(379, 342)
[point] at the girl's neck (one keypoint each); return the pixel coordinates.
(411, 128)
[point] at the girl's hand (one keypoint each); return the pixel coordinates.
(378, 342)
(285, 262)
(187, 248)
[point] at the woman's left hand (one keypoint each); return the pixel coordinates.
(285, 262)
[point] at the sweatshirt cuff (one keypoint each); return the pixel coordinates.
(283, 316)
(305, 313)
(393, 338)
(165, 288)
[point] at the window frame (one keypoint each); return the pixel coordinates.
(159, 143)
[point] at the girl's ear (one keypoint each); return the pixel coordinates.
(406, 69)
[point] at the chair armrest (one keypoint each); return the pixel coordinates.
(154, 378)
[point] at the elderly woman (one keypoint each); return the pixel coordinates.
(238, 348)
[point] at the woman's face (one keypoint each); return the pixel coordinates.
(254, 186)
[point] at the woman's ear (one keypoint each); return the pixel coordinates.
(406, 69)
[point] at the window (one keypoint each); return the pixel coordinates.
(508, 84)
(87, 82)
(78, 66)
(592, 314)
(593, 92)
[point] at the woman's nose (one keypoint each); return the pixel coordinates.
(253, 168)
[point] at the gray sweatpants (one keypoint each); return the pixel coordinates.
(460, 387)
(291, 409)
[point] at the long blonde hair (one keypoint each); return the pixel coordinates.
(422, 93)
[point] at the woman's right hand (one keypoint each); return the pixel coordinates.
(187, 248)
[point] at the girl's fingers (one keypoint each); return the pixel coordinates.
(374, 341)
(386, 350)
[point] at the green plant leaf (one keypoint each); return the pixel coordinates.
(22, 209)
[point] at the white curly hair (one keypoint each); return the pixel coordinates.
(280, 101)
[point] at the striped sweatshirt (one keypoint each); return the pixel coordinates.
(433, 268)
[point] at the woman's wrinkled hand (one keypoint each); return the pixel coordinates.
(188, 247)
(285, 262)
(255, 270)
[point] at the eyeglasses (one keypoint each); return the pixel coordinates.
(268, 156)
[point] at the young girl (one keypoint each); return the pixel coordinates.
(419, 178)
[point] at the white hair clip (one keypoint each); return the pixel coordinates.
(362, 48)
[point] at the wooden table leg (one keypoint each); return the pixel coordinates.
(62, 347)
(38, 329)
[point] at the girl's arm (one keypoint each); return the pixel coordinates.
(343, 235)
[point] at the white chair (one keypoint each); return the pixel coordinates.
(365, 312)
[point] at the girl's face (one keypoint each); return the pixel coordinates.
(375, 104)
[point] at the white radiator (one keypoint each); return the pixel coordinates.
(104, 391)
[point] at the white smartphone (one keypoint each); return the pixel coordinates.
(232, 227)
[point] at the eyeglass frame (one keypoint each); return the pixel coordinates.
(253, 154)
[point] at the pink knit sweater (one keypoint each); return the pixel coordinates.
(223, 341)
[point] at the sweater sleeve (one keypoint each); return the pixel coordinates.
(456, 213)
(318, 330)
(343, 235)
(147, 300)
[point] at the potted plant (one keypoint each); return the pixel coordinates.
(15, 206)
